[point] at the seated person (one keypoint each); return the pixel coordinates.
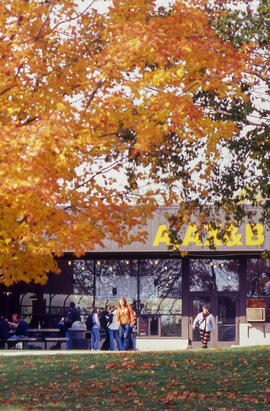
(13, 323)
(61, 327)
(4, 332)
(20, 329)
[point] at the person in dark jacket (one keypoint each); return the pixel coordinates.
(71, 315)
(20, 330)
(4, 332)
(104, 318)
(22, 327)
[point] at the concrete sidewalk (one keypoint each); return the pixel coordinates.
(14, 353)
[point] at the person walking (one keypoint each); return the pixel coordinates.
(125, 316)
(113, 329)
(95, 329)
(206, 324)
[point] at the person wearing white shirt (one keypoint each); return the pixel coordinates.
(113, 328)
(206, 324)
(95, 333)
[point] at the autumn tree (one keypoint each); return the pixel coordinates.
(242, 177)
(91, 105)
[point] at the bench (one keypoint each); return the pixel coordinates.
(24, 340)
(54, 340)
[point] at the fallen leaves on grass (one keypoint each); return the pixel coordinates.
(160, 381)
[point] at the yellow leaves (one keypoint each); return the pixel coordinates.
(7, 241)
(157, 78)
(60, 107)
(66, 136)
(12, 110)
(180, 71)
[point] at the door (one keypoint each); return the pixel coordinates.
(224, 309)
(227, 332)
(197, 303)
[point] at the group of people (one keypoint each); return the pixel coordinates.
(12, 330)
(117, 323)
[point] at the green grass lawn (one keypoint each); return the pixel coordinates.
(220, 379)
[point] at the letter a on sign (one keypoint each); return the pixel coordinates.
(192, 235)
(162, 236)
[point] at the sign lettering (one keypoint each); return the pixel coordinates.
(253, 236)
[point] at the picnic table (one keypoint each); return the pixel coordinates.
(39, 338)
(47, 336)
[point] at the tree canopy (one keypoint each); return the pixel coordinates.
(246, 178)
(93, 109)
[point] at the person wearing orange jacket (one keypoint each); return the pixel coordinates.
(125, 316)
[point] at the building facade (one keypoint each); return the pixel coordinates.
(167, 287)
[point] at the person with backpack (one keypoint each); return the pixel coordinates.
(125, 316)
(93, 324)
(71, 315)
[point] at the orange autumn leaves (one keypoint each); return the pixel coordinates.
(82, 95)
(221, 379)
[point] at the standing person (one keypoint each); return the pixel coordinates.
(95, 334)
(71, 315)
(104, 318)
(133, 332)
(125, 316)
(113, 329)
(206, 324)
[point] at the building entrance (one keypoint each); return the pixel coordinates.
(215, 282)
(224, 308)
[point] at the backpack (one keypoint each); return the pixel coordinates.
(104, 319)
(71, 316)
(89, 322)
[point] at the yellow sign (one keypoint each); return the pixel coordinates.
(253, 236)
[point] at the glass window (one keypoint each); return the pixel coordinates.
(214, 275)
(258, 277)
(115, 279)
(171, 325)
(226, 318)
(258, 281)
(83, 277)
(160, 284)
(153, 287)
